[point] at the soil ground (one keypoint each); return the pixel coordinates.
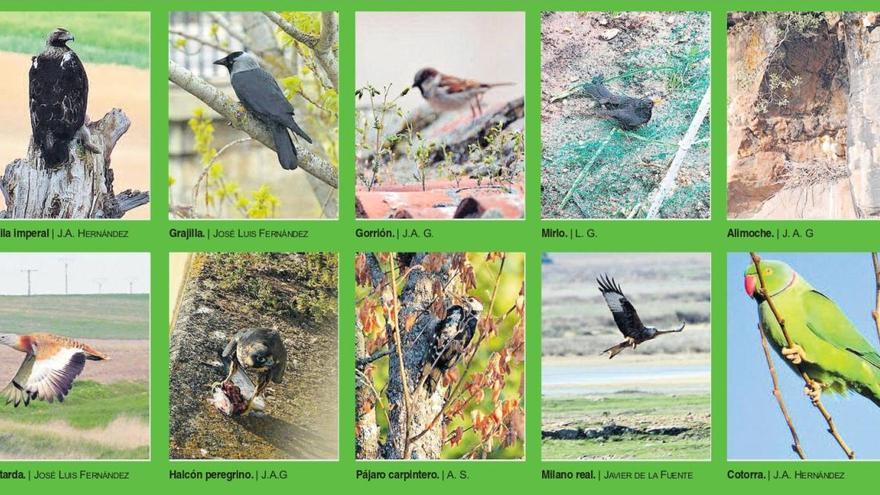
(627, 426)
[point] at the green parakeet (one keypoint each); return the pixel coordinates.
(827, 346)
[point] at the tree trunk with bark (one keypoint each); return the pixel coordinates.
(407, 419)
(83, 188)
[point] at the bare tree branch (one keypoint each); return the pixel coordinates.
(395, 322)
(796, 442)
(198, 39)
(241, 120)
(322, 45)
(227, 26)
(82, 188)
(207, 168)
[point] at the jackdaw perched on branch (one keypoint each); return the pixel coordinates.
(261, 96)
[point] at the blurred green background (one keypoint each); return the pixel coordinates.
(100, 37)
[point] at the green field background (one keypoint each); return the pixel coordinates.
(523, 236)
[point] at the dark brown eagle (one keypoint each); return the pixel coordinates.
(59, 95)
(626, 318)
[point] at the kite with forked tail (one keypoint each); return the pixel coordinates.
(626, 318)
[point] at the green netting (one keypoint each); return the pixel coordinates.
(630, 165)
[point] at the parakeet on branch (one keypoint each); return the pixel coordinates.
(826, 344)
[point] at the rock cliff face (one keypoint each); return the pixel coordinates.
(801, 130)
(862, 44)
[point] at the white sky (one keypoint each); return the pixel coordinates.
(85, 270)
(486, 46)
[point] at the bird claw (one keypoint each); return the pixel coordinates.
(795, 354)
(813, 390)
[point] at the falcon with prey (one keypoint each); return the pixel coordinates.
(50, 366)
(260, 350)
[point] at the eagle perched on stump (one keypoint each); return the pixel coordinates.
(451, 337)
(59, 95)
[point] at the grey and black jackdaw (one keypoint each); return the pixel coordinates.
(261, 96)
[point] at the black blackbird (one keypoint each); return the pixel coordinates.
(629, 113)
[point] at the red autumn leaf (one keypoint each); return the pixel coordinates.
(455, 439)
(410, 321)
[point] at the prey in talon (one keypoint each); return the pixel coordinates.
(257, 351)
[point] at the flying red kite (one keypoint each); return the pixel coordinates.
(49, 368)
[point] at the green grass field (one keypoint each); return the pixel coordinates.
(106, 316)
(644, 416)
(82, 427)
(101, 37)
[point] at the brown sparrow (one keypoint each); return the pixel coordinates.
(444, 92)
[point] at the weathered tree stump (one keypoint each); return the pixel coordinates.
(83, 188)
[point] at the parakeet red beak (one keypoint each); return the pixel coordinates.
(751, 282)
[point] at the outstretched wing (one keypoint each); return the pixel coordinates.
(46, 378)
(15, 392)
(625, 315)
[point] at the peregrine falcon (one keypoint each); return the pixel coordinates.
(260, 350)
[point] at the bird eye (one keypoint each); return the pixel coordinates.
(768, 271)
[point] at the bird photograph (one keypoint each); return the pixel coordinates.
(625, 106)
(439, 356)
(253, 358)
(799, 126)
(810, 316)
(645, 396)
(259, 350)
(77, 99)
(440, 124)
(253, 115)
(75, 356)
(626, 318)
